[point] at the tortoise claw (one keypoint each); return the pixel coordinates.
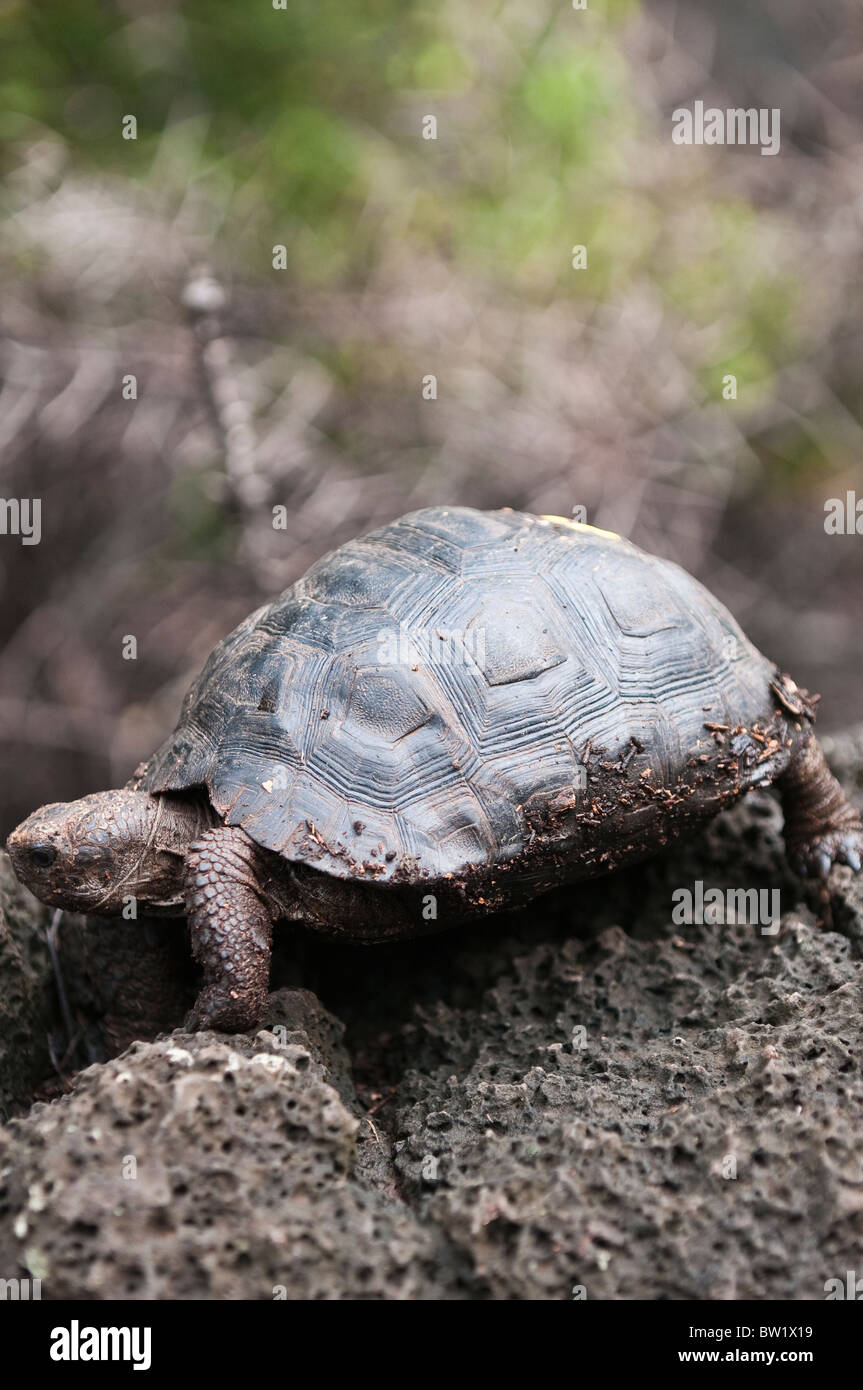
(217, 1010)
(816, 858)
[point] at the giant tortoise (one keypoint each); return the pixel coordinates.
(441, 719)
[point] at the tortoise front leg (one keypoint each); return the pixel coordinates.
(231, 926)
(821, 825)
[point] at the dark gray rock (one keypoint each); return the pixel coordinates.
(692, 1143)
(127, 981)
(204, 1167)
(583, 1098)
(27, 1014)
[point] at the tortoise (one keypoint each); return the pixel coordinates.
(444, 718)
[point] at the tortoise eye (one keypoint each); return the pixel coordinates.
(43, 856)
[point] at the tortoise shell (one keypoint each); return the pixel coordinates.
(450, 692)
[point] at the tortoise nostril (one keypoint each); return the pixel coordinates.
(43, 856)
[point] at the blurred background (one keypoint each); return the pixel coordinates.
(408, 258)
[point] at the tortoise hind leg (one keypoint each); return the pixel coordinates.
(231, 927)
(821, 826)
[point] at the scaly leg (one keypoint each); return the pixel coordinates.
(231, 926)
(821, 826)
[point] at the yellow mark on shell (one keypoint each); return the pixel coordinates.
(583, 526)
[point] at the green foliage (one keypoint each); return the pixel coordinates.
(202, 521)
(314, 115)
(304, 125)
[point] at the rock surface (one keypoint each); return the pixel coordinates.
(26, 993)
(201, 1167)
(583, 1099)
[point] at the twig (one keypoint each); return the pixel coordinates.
(205, 299)
(51, 937)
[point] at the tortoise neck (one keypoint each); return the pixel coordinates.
(158, 830)
(174, 821)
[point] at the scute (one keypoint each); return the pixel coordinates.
(510, 645)
(384, 704)
(339, 727)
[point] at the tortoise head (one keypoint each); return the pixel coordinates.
(93, 855)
